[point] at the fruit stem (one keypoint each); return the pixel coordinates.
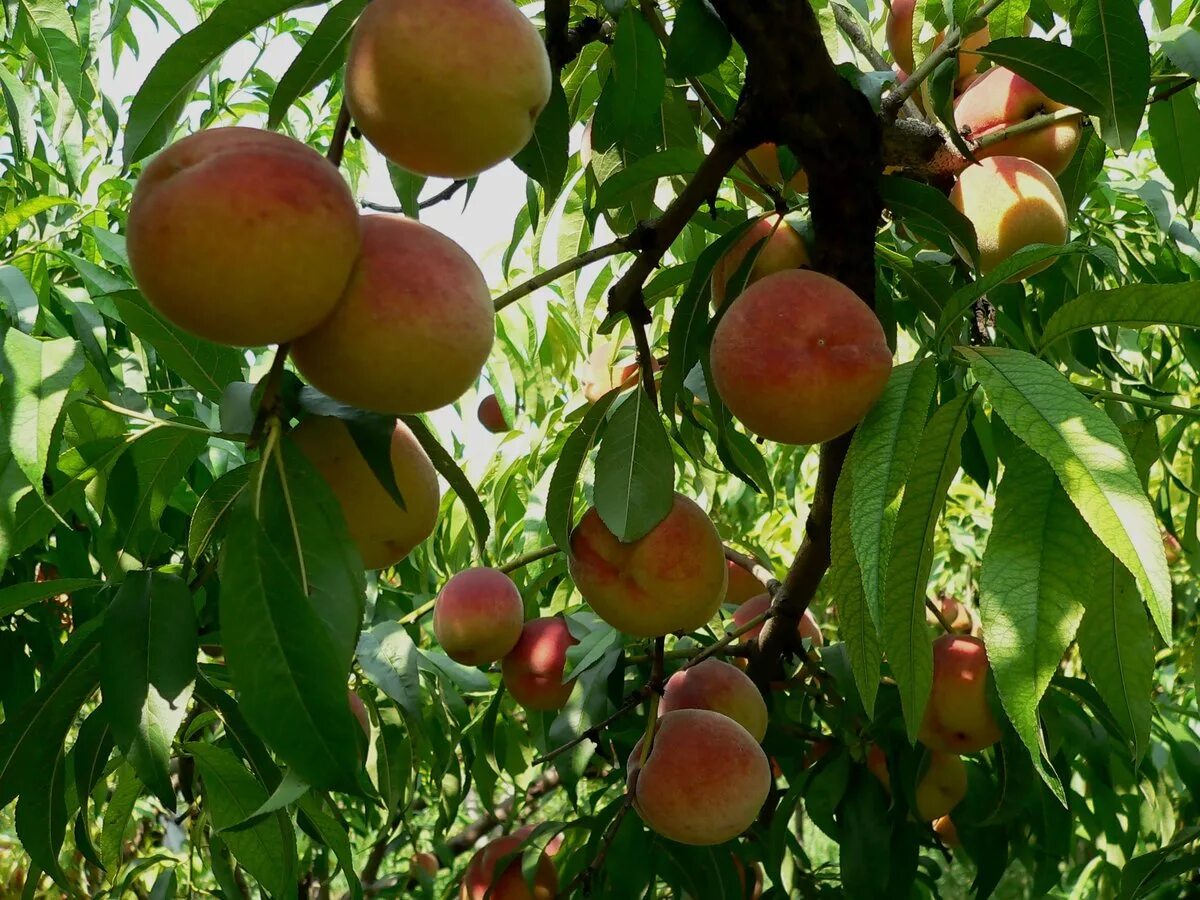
(1034, 123)
(337, 143)
(267, 405)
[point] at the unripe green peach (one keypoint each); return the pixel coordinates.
(478, 616)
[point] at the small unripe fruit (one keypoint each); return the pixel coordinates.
(241, 236)
(478, 616)
(533, 669)
(716, 685)
(957, 717)
(798, 358)
(491, 416)
(413, 328)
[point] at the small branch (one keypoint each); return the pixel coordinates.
(1034, 123)
(155, 421)
(645, 358)
(469, 836)
(860, 42)
(1162, 405)
(620, 245)
(688, 653)
(444, 194)
(337, 143)
(526, 558)
(583, 881)
(1173, 90)
(933, 608)
(718, 647)
(417, 613)
(764, 575)
(593, 732)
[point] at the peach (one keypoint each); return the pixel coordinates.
(360, 711)
(491, 416)
(482, 881)
(672, 579)
(877, 765)
(478, 616)
(704, 780)
(1000, 98)
(780, 247)
(757, 605)
(383, 532)
(1171, 547)
(242, 236)
(413, 328)
(941, 786)
(533, 669)
(629, 373)
(799, 359)
(957, 717)
(945, 829)
(446, 87)
(955, 613)
(900, 39)
(426, 862)
(1012, 202)
(765, 160)
(742, 585)
(716, 685)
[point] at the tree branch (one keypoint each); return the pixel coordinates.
(764, 575)
(1173, 90)
(620, 245)
(337, 143)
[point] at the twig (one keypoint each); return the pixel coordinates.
(933, 608)
(620, 245)
(444, 194)
(715, 648)
(417, 613)
(155, 421)
(859, 41)
(1033, 123)
(469, 836)
(764, 575)
(583, 881)
(631, 703)
(526, 558)
(337, 143)
(1173, 90)
(645, 359)
(1164, 406)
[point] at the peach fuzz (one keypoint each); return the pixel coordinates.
(941, 786)
(446, 87)
(413, 328)
(1012, 203)
(482, 881)
(742, 585)
(1000, 98)
(757, 605)
(672, 579)
(957, 718)
(383, 532)
(778, 246)
(704, 780)
(533, 669)
(716, 685)
(478, 616)
(799, 359)
(241, 236)
(491, 416)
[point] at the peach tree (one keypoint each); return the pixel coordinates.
(799, 501)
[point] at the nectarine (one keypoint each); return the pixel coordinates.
(779, 247)
(1012, 203)
(413, 328)
(704, 781)
(799, 358)
(478, 616)
(957, 717)
(533, 669)
(759, 604)
(716, 685)
(672, 579)
(446, 87)
(481, 880)
(383, 532)
(941, 786)
(242, 236)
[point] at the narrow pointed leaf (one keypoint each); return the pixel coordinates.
(1132, 306)
(635, 471)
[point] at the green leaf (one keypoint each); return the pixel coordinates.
(41, 817)
(905, 637)
(1111, 33)
(334, 834)
(1175, 133)
(1181, 44)
(929, 213)
(45, 719)
(16, 598)
(635, 470)
(407, 186)
(1008, 19)
(290, 789)
(1133, 306)
(267, 849)
(1031, 593)
(160, 458)
(89, 756)
(117, 815)
(626, 184)
(37, 375)
(855, 625)
(565, 480)
(544, 158)
(636, 84)
(149, 655)
(318, 59)
(160, 100)
(389, 658)
(12, 219)
(884, 447)
(210, 512)
(1061, 72)
(1117, 649)
(206, 366)
(699, 40)
(1088, 454)
(456, 478)
(19, 104)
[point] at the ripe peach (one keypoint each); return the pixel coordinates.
(716, 685)
(384, 532)
(242, 236)
(941, 787)
(1000, 98)
(900, 39)
(491, 416)
(672, 579)
(1012, 203)
(957, 718)
(533, 669)
(742, 585)
(360, 711)
(781, 248)
(704, 780)
(481, 879)
(478, 616)
(413, 328)
(954, 613)
(426, 862)
(628, 374)
(799, 358)
(446, 87)
(947, 831)
(757, 605)
(765, 159)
